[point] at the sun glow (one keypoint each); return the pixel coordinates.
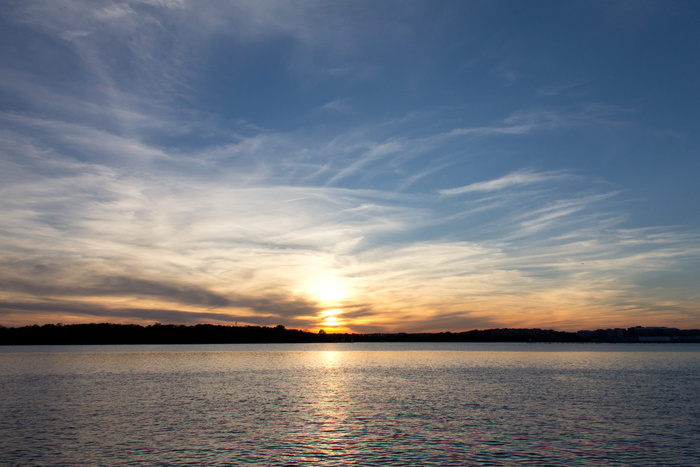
(331, 321)
(330, 292)
(330, 313)
(333, 294)
(330, 318)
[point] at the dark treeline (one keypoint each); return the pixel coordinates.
(106, 333)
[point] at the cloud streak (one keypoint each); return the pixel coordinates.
(513, 179)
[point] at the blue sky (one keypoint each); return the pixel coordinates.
(364, 166)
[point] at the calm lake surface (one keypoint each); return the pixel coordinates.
(351, 404)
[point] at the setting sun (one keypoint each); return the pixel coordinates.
(331, 321)
(328, 292)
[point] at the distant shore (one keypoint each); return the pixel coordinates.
(107, 333)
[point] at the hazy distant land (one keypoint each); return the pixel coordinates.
(107, 333)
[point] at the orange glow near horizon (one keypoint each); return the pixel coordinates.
(379, 303)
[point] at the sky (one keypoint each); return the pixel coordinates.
(364, 166)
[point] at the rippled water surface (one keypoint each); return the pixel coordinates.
(351, 404)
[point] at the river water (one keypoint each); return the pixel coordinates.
(351, 404)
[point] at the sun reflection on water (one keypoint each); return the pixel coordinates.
(331, 402)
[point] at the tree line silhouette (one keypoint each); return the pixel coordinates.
(108, 333)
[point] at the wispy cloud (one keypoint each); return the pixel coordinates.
(513, 179)
(372, 154)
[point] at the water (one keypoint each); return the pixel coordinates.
(351, 404)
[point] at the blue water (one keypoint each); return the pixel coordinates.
(351, 404)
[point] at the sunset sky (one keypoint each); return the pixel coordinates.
(372, 166)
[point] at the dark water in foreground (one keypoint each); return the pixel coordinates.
(351, 404)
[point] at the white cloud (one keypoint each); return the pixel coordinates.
(513, 179)
(368, 156)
